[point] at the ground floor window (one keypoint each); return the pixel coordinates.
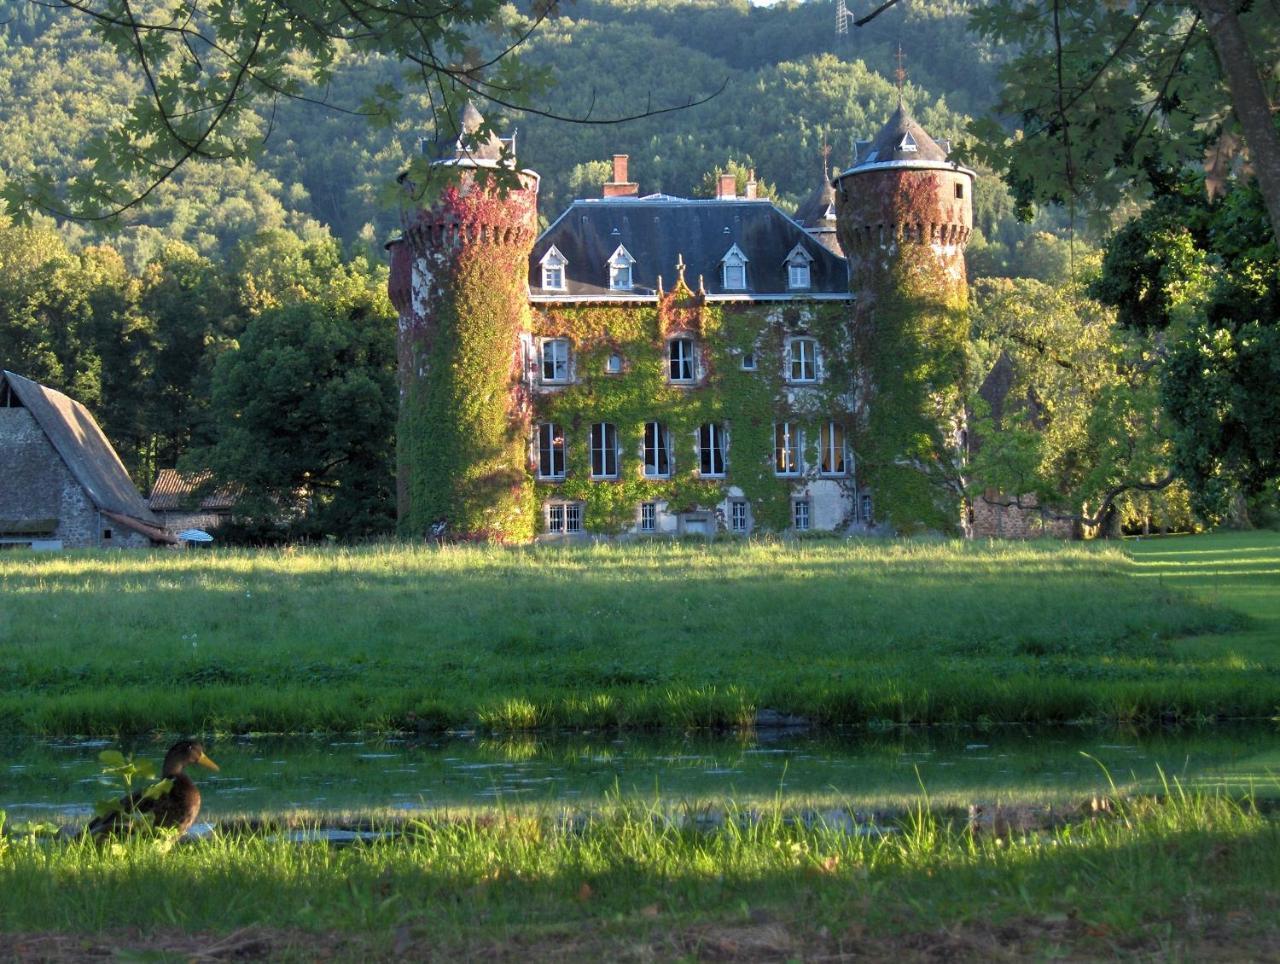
(800, 515)
(866, 509)
(565, 517)
(738, 516)
(648, 516)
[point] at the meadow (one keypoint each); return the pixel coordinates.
(655, 635)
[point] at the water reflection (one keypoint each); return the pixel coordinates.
(57, 779)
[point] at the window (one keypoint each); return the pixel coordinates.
(680, 358)
(620, 264)
(657, 450)
(553, 264)
(804, 360)
(613, 364)
(604, 451)
(749, 362)
(833, 451)
(797, 263)
(800, 515)
(786, 449)
(711, 455)
(564, 517)
(555, 360)
(733, 269)
(908, 143)
(550, 451)
(648, 516)
(738, 516)
(867, 516)
(959, 191)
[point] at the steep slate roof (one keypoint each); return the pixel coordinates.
(174, 491)
(658, 229)
(84, 448)
(887, 146)
(818, 209)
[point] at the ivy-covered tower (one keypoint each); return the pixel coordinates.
(458, 281)
(904, 213)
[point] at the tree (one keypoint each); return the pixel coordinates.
(305, 409)
(1109, 95)
(1201, 275)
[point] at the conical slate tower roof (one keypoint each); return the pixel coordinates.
(470, 120)
(901, 139)
(818, 210)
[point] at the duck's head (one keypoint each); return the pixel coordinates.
(184, 753)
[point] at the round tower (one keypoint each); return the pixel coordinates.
(458, 281)
(903, 216)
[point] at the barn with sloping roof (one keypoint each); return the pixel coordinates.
(62, 485)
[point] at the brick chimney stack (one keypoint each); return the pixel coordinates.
(751, 186)
(620, 186)
(727, 188)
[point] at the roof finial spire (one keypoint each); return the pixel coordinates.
(680, 266)
(826, 159)
(900, 75)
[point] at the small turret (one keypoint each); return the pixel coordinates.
(817, 215)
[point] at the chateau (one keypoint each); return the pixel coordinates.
(654, 364)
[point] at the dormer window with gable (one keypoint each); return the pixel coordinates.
(798, 275)
(620, 265)
(733, 270)
(553, 265)
(908, 143)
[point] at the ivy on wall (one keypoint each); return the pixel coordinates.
(747, 403)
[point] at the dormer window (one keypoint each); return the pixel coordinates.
(798, 261)
(553, 265)
(620, 264)
(908, 143)
(733, 267)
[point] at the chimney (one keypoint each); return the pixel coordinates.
(728, 187)
(751, 186)
(620, 186)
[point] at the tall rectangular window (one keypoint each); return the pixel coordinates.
(573, 517)
(804, 360)
(555, 517)
(555, 360)
(786, 449)
(648, 516)
(800, 515)
(604, 451)
(738, 516)
(798, 274)
(550, 451)
(833, 449)
(680, 356)
(657, 450)
(711, 454)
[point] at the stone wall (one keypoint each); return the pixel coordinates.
(993, 520)
(38, 485)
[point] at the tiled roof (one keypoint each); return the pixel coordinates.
(174, 491)
(659, 230)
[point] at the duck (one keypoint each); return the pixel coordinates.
(175, 809)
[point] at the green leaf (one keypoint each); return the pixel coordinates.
(112, 758)
(157, 790)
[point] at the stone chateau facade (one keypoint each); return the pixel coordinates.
(651, 364)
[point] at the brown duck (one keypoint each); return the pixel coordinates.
(175, 809)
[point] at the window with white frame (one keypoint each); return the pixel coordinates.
(908, 143)
(680, 359)
(604, 451)
(749, 361)
(867, 515)
(555, 360)
(553, 265)
(550, 451)
(648, 516)
(798, 275)
(711, 450)
(738, 515)
(613, 364)
(834, 459)
(620, 265)
(564, 517)
(786, 449)
(800, 515)
(804, 360)
(657, 450)
(733, 270)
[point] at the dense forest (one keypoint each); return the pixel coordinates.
(145, 320)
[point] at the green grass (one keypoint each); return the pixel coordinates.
(641, 635)
(1196, 871)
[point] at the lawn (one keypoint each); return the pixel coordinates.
(636, 636)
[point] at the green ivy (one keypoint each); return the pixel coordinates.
(748, 403)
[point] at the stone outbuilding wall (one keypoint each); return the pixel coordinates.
(990, 518)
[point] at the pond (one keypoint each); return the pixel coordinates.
(57, 780)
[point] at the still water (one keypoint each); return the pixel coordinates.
(57, 780)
